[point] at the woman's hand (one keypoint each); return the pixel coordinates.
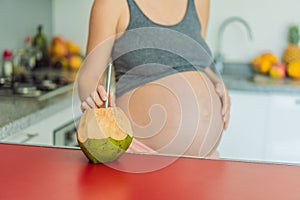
(225, 99)
(223, 94)
(97, 99)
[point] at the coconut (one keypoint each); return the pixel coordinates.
(104, 134)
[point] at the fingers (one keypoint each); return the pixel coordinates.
(226, 104)
(213, 77)
(226, 110)
(221, 91)
(84, 106)
(102, 92)
(225, 99)
(90, 102)
(97, 99)
(226, 119)
(87, 104)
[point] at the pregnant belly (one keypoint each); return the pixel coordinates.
(178, 114)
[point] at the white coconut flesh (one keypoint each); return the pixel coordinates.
(102, 123)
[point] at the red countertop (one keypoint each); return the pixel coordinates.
(32, 172)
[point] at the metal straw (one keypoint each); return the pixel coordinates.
(108, 80)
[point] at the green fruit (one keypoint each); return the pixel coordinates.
(105, 150)
(104, 134)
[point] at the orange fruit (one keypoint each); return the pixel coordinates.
(75, 62)
(294, 69)
(265, 66)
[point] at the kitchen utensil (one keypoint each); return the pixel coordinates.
(108, 82)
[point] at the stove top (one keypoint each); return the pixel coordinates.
(40, 86)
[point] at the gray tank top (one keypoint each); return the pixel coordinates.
(148, 51)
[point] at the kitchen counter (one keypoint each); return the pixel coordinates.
(18, 113)
(241, 84)
(240, 77)
(32, 172)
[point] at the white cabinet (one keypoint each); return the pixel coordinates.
(41, 132)
(245, 137)
(263, 127)
(283, 133)
(44, 128)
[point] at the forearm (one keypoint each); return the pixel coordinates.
(102, 32)
(87, 84)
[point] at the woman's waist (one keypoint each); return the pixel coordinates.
(150, 73)
(184, 84)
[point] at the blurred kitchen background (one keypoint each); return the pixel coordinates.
(269, 21)
(265, 111)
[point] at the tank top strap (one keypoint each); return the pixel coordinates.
(137, 16)
(191, 16)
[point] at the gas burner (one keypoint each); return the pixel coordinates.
(47, 85)
(26, 89)
(40, 86)
(2, 81)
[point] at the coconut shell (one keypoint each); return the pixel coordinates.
(103, 123)
(104, 134)
(105, 150)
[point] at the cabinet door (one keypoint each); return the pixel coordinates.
(283, 135)
(43, 130)
(244, 139)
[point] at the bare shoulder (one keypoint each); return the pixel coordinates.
(104, 19)
(201, 3)
(202, 7)
(203, 10)
(108, 12)
(112, 6)
(105, 10)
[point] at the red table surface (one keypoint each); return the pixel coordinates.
(31, 172)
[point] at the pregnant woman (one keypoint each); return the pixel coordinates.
(165, 80)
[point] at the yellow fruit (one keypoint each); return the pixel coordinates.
(59, 50)
(64, 62)
(59, 61)
(264, 62)
(278, 70)
(271, 57)
(256, 61)
(294, 69)
(73, 48)
(75, 62)
(265, 66)
(292, 53)
(56, 40)
(275, 74)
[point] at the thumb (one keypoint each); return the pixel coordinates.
(219, 89)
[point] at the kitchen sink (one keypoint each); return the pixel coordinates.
(237, 71)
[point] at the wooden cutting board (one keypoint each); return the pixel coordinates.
(266, 80)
